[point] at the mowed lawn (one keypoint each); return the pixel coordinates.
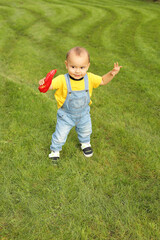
(115, 195)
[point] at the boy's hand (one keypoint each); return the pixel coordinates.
(116, 69)
(41, 82)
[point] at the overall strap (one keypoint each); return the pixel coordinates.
(69, 89)
(86, 83)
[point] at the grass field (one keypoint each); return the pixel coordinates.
(115, 195)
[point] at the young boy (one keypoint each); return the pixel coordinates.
(73, 92)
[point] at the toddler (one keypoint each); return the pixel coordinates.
(73, 93)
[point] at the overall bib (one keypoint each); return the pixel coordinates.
(74, 112)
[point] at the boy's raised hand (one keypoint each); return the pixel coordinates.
(116, 69)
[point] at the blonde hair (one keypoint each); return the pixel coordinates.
(78, 51)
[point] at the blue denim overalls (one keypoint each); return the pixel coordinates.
(74, 112)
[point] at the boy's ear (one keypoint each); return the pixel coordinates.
(66, 63)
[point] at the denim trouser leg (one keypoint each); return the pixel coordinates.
(65, 123)
(84, 128)
(63, 127)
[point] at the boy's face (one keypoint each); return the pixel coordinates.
(77, 65)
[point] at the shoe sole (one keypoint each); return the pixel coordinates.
(88, 155)
(54, 161)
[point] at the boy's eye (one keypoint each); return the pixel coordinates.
(72, 66)
(82, 67)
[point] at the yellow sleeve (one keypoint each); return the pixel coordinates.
(94, 80)
(57, 82)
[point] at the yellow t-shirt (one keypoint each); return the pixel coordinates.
(59, 83)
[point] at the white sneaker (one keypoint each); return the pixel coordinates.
(54, 155)
(87, 150)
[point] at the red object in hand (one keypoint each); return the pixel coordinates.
(47, 82)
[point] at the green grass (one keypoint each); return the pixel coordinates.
(114, 195)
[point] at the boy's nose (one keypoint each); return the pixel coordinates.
(77, 70)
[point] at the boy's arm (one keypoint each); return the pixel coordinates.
(110, 75)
